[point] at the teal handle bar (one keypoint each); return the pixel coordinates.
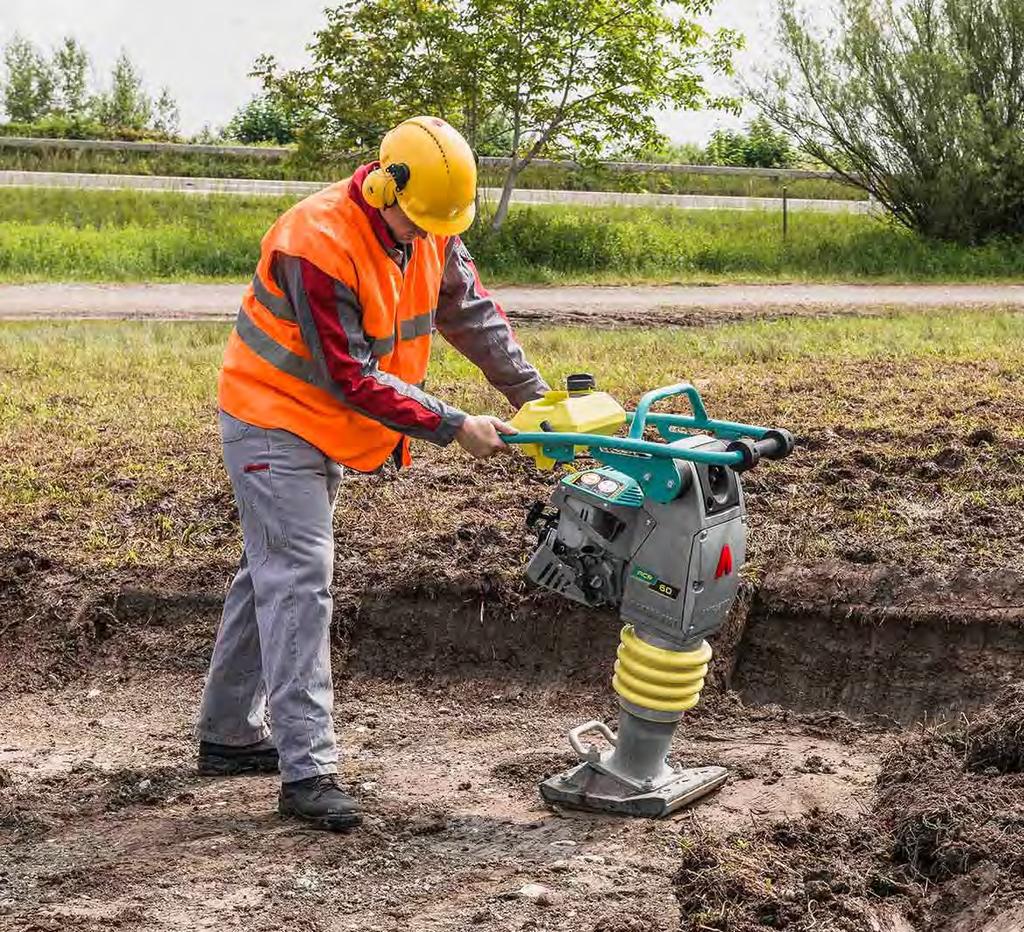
(670, 426)
(553, 442)
(639, 418)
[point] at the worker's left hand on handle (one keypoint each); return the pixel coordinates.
(480, 435)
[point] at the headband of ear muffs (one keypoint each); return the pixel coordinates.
(381, 186)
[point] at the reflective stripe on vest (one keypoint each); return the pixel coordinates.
(381, 346)
(419, 326)
(273, 352)
(280, 307)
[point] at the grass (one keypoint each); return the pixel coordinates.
(911, 445)
(55, 235)
(299, 169)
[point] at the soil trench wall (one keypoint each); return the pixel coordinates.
(879, 642)
(868, 641)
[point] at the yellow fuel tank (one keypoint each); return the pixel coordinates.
(578, 409)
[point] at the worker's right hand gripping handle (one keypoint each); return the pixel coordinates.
(773, 445)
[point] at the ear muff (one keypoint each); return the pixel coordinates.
(381, 186)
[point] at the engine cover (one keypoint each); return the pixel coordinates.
(670, 568)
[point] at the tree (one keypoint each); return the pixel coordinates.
(523, 77)
(919, 102)
(126, 105)
(166, 115)
(28, 93)
(70, 66)
(760, 146)
(262, 119)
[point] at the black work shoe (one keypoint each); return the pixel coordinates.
(321, 802)
(225, 760)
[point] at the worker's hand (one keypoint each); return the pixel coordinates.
(480, 435)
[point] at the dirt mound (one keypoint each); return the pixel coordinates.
(941, 846)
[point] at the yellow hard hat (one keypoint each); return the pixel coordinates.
(428, 169)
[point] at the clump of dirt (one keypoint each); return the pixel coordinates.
(943, 840)
(523, 770)
(88, 789)
(789, 875)
(994, 739)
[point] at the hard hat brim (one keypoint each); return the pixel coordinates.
(453, 227)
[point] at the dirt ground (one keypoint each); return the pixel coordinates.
(108, 826)
(448, 715)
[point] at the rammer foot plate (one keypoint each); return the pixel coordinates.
(584, 787)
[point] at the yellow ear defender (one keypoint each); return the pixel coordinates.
(381, 186)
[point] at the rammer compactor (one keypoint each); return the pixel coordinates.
(659, 531)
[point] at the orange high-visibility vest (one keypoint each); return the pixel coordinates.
(268, 377)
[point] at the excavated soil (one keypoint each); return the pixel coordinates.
(450, 709)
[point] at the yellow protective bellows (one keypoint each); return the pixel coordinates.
(439, 191)
(654, 678)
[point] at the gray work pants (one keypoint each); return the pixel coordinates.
(273, 645)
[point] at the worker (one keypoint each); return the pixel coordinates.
(324, 371)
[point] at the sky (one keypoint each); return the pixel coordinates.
(202, 50)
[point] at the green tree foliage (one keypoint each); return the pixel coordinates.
(262, 119)
(920, 102)
(29, 89)
(70, 66)
(126, 105)
(760, 146)
(678, 153)
(520, 78)
(52, 96)
(166, 115)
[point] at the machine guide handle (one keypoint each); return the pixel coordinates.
(747, 443)
(774, 445)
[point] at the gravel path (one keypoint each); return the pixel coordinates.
(670, 304)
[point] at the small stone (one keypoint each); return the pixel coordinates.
(536, 893)
(93, 693)
(443, 710)
(465, 785)
(144, 785)
(368, 786)
(563, 843)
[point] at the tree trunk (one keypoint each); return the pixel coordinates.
(506, 195)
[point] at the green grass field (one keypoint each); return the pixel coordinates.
(58, 235)
(911, 446)
(299, 169)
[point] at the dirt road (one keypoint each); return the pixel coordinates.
(609, 305)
